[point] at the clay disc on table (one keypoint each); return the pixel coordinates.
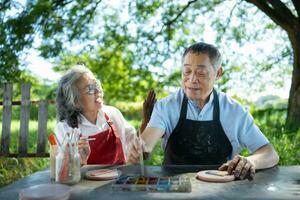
(103, 174)
(215, 176)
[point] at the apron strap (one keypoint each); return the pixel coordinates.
(111, 125)
(107, 119)
(183, 110)
(216, 112)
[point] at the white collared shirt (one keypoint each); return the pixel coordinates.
(125, 130)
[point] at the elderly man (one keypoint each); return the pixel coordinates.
(200, 125)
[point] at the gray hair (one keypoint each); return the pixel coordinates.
(213, 53)
(68, 96)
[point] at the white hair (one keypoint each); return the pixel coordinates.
(68, 96)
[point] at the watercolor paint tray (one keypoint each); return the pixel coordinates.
(152, 184)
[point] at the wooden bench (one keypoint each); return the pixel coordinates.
(25, 104)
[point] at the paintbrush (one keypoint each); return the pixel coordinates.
(87, 139)
(141, 154)
(102, 171)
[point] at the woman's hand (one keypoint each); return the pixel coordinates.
(138, 149)
(84, 150)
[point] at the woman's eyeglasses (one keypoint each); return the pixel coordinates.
(91, 89)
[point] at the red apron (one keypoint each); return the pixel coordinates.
(107, 148)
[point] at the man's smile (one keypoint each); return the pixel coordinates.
(193, 88)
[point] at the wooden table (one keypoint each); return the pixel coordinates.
(281, 182)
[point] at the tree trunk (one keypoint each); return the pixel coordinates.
(279, 12)
(293, 115)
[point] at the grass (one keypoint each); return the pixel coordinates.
(12, 169)
(287, 143)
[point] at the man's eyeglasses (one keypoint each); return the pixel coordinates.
(91, 89)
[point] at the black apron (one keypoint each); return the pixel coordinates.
(198, 142)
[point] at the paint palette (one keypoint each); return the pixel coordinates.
(153, 184)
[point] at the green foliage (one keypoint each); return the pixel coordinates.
(174, 79)
(12, 169)
(271, 121)
(142, 36)
(114, 68)
(56, 22)
(287, 145)
(132, 110)
(43, 91)
(39, 91)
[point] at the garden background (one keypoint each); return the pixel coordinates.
(133, 46)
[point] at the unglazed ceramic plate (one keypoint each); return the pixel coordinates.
(103, 174)
(215, 176)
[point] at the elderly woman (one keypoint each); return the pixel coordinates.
(80, 105)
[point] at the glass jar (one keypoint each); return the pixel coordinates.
(68, 164)
(53, 154)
